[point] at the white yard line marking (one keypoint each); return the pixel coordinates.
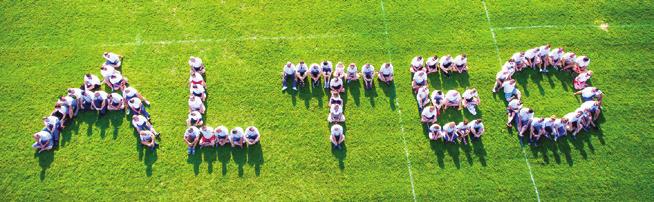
(397, 104)
(531, 174)
(573, 26)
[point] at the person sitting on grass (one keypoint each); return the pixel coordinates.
(52, 126)
(476, 127)
(43, 141)
(136, 107)
(438, 99)
(548, 126)
(435, 132)
(301, 73)
(86, 100)
(581, 64)
(419, 80)
(91, 82)
(512, 110)
(117, 81)
(195, 104)
(586, 119)
(428, 115)
(555, 57)
(336, 114)
(131, 92)
(337, 137)
(236, 137)
(386, 73)
(327, 72)
(222, 137)
(524, 120)
(543, 55)
(559, 128)
(581, 79)
(196, 65)
(339, 71)
(462, 131)
(335, 99)
(471, 100)
(594, 107)
(315, 74)
(106, 71)
(432, 64)
(112, 59)
(196, 79)
(191, 138)
(590, 93)
(194, 119)
(288, 75)
(115, 102)
(531, 59)
(417, 64)
(251, 135)
(141, 123)
(352, 73)
(574, 126)
(208, 139)
(461, 63)
(500, 77)
(198, 91)
(537, 130)
(147, 139)
(569, 61)
(453, 99)
(368, 73)
(336, 85)
(449, 132)
(71, 102)
(445, 65)
(422, 97)
(76, 93)
(61, 111)
(520, 61)
(99, 102)
(510, 90)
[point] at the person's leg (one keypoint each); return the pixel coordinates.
(145, 113)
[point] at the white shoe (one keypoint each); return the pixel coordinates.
(284, 88)
(294, 88)
(494, 91)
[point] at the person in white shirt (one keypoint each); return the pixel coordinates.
(196, 79)
(52, 126)
(99, 102)
(543, 55)
(569, 60)
(196, 65)
(536, 131)
(236, 137)
(531, 59)
(510, 90)
(198, 91)
(136, 107)
(43, 141)
(445, 65)
(519, 59)
(106, 71)
(91, 82)
(315, 74)
(72, 103)
(500, 77)
(471, 100)
(196, 104)
(335, 99)
(117, 81)
(435, 132)
(112, 59)
(593, 107)
(419, 80)
(432, 64)
(252, 135)
(462, 131)
(449, 132)
(115, 102)
(301, 73)
(548, 127)
(580, 80)
(555, 57)
(221, 135)
(131, 92)
(476, 128)
(386, 73)
(461, 63)
(417, 64)
(336, 85)
(86, 100)
(581, 64)
(337, 136)
(62, 112)
(339, 70)
(453, 99)
(336, 114)
(524, 120)
(191, 138)
(422, 97)
(429, 115)
(352, 73)
(368, 73)
(327, 72)
(437, 99)
(590, 93)
(207, 138)
(512, 109)
(194, 119)
(288, 75)
(140, 123)
(148, 139)
(559, 128)
(574, 125)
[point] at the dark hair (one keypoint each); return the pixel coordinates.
(531, 111)
(87, 75)
(479, 120)
(586, 59)
(324, 63)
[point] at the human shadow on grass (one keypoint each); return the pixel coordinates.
(354, 88)
(318, 92)
(339, 154)
(304, 92)
(207, 154)
(45, 160)
(454, 80)
(389, 91)
(147, 155)
(240, 158)
(562, 146)
(371, 94)
(224, 156)
(255, 157)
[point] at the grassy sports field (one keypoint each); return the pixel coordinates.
(47, 46)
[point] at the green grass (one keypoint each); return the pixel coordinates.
(46, 47)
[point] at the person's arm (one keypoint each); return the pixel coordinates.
(142, 98)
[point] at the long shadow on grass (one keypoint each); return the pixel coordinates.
(255, 157)
(147, 155)
(354, 89)
(371, 94)
(318, 93)
(45, 160)
(389, 91)
(240, 158)
(340, 154)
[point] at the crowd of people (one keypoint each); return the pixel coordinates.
(198, 133)
(90, 97)
(540, 58)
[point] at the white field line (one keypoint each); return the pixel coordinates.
(397, 104)
(531, 174)
(572, 26)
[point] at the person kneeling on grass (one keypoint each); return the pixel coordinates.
(195, 104)
(453, 99)
(301, 73)
(510, 90)
(196, 65)
(519, 59)
(525, 116)
(236, 137)
(352, 73)
(476, 127)
(136, 107)
(336, 114)
(574, 126)
(327, 72)
(417, 64)
(555, 57)
(461, 63)
(559, 128)
(445, 65)
(112, 59)
(471, 100)
(432, 64)
(222, 137)
(386, 73)
(91, 82)
(198, 91)
(147, 139)
(140, 123)
(337, 137)
(543, 55)
(208, 139)
(593, 107)
(100, 102)
(435, 132)
(368, 72)
(422, 97)
(194, 119)
(512, 110)
(537, 130)
(43, 141)
(315, 74)
(531, 58)
(580, 80)
(336, 85)
(251, 135)
(428, 115)
(590, 93)
(419, 80)
(191, 138)
(449, 130)
(438, 99)
(115, 102)
(462, 131)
